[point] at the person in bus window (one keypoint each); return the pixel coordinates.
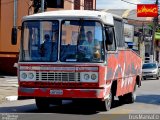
(92, 45)
(90, 38)
(46, 47)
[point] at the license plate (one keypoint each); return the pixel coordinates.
(56, 92)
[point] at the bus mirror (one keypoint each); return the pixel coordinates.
(109, 36)
(14, 36)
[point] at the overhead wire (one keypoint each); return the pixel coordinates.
(129, 2)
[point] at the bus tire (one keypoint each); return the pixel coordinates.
(131, 97)
(128, 98)
(121, 99)
(107, 103)
(42, 103)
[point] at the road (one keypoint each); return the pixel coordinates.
(148, 101)
(8, 87)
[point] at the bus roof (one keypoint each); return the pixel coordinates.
(107, 18)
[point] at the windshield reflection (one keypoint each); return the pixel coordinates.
(40, 41)
(81, 41)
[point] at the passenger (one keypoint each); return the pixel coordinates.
(90, 38)
(47, 38)
(90, 48)
(93, 45)
(46, 47)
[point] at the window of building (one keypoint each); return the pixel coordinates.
(88, 4)
(77, 4)
(55, 3)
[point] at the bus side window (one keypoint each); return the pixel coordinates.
(110, 39)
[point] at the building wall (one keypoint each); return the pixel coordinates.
(68, 5)
(7, 23)
(9, 52)
(6, 18)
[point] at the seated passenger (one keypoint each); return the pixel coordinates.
(46, 47)
(90, 46)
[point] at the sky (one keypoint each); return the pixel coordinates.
(118, 4)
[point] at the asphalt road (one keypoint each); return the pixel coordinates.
(147, 102)
(8, 87)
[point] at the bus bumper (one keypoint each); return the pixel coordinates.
(60, 93)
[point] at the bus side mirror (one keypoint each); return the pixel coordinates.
(109, 36)
(14, 36)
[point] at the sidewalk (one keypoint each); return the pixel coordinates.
(8, 87)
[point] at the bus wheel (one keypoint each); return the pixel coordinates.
(131, 97)
(107, 102)
(42, 103)
(128, 98)
(121, 99)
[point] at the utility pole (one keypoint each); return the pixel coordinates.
(155, 23)
(15, 14)
(42, 5)
(14, 29)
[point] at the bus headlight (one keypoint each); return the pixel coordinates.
(89, 76)
(30, 75)
(86, 76)
(27, 75)
(93, 76)
(23, 75)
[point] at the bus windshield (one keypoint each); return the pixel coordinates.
(40, 41)
(82, 41)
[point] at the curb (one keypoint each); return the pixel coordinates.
(9, 86)
(11, 98)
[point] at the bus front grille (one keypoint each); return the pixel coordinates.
(58, 76)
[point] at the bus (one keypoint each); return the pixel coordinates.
(68, 66)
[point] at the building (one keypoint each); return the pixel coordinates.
(11, 13)
(142, 26)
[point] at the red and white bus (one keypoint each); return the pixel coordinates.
(69, 67)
